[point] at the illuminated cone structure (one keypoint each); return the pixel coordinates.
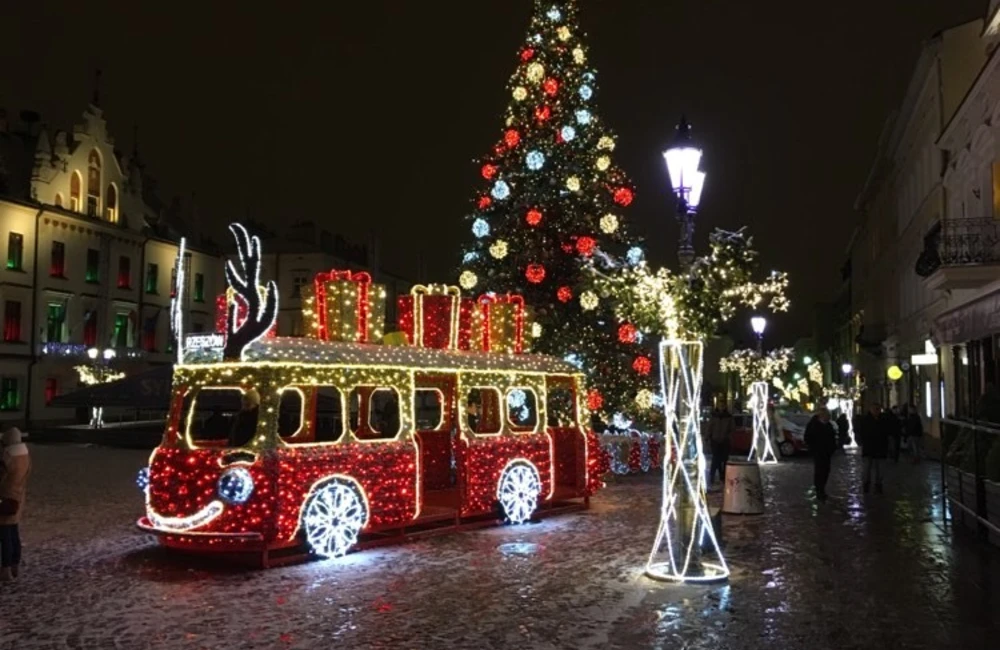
(686, 549)
(847, 408)
(551, 201)
(762, 451)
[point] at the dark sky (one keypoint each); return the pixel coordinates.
(368, 115)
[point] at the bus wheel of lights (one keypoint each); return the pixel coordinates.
(333, 517)
(518, 492)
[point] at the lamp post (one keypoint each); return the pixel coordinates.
(761, 449)
(99, 360)
(682, 160)
(759, 324)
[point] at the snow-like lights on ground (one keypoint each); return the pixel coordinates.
(588, 300)
(499, 249)
(534, 160)
(333, 517)
(634, 256)
(583, 117)
(468, 280)
(519, 489)
(609, 223)
(235, 485)
(142, 479)
(501, 190)
(573, 184)
(568, 133)
(586, 92)
(535, 72)
(480, 228)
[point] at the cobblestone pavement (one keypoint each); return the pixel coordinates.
(857, 572)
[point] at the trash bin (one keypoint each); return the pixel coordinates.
(744, 494)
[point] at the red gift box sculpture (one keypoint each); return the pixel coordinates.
(436, 316)
(500, 324)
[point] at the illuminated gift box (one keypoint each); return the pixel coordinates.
(222, 311)
(344, 306)
(436, 316)
(500, 324)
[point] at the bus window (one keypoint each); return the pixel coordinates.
(482, 411)
(560, 410)
(429, 409)
(383, 413)
(210, 414)
(522, 409)
(290, 409)
(329, 424)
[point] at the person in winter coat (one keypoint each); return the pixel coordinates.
(914, 428)
(720, 436)
(245, 422)
(843, 430)
(13, 488)
(821, 439)
(876, 429)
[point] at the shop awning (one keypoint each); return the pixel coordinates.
(975, 320)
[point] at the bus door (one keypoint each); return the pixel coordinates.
(436, 428)
(569, 441)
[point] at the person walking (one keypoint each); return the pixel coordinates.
(720, 436)
(914, 429)
(13, 488)
(821, 439)
(843, 429)
(876, 428)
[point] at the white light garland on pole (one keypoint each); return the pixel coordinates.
(685, 549)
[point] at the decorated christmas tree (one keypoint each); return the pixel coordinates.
(551, 201)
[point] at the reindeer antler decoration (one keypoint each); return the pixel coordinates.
(260, 313)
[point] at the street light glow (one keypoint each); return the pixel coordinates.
(682, 160)
(92, 353)
(807, 360)
(759, 324)
(847, 368)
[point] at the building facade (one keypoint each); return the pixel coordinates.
(965, 250)
(85, 266)
(901, 208)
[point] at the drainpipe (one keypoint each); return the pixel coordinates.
(34, 328)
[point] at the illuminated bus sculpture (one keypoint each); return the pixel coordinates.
(355, 443)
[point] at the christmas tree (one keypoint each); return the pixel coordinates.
(551, 203)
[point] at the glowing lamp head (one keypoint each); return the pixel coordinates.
(832, 404)
(895, 373)
(92, 353)
(759, 324)
(682, 160)
(807, 360)
(235, 485)
(847, 368)
(109, 354)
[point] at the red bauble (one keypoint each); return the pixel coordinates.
(551, 86)
(489, 171)
(642, 365)
(585, 246)
(565, 294)
(535, 273)
(485, 202)
(623, 196)
(534, 217)
(512, 138)
(543, 113)
(527, 53)
(627, 333)
(594, 399)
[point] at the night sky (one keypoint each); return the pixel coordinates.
(368, 115)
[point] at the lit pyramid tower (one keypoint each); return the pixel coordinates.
(551, 204)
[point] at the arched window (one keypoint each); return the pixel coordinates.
(111, 204)
(74, 191)
(59, 200)
(93, 183)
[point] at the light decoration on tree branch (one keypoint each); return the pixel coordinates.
(686, 309)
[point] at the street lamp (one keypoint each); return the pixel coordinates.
(759, 324)
(682, 160)
(807, 360)
(847, 368)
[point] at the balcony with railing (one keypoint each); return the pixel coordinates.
(961, 254)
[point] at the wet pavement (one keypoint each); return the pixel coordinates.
(856, 572)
